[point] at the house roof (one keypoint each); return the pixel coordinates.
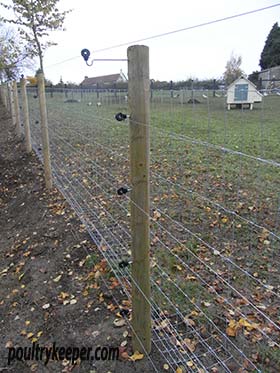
(244, 78)
(101, 79)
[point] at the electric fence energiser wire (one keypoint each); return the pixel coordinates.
(203, 24)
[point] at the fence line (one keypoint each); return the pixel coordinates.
(214, 217)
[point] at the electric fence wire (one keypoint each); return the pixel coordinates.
(164, 34)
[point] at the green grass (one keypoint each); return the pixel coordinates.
(189, 181)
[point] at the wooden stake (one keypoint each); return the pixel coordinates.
(25, 110)
(16, 109)
(139, 109)
(6, 96)
(12, 106)
(44, 130)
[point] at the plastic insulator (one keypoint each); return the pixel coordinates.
(123, 264)
(85, 54)
(120, 117)
(124, 312)
(122, 191)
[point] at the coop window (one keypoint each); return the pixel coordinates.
(241, 92)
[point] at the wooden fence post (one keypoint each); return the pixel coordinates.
(5, 92)
(12, 105)
(44, 130)
(139, 109)
(2, 94)
(16, 109)
(9, 98)
(25, 110)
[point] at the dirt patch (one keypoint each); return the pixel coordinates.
(50, 291)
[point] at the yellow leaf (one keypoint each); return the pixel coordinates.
(243, 322)
(33, 340)
(165, 366)
(136, 356)
(57, 278)
(29, 335)
(27, 322)
(39, 333)
(232, 324)
(224, 220)
(190, 363)
(63, 295)
(23, 332)
(179, 370)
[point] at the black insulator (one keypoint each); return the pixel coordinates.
(124, 312)
(85, 54)
(120, 117)
(122, 191)
(123, 264)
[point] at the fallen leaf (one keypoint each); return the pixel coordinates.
(57, 279)
(119, 323)
(136, 356)
(9, 344)
(20, 276)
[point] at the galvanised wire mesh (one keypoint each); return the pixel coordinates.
(214, 215)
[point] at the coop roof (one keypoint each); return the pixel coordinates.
(113, 78)
(243, 78)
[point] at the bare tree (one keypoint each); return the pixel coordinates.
(13, 56)
(233, 70)
(35, 19)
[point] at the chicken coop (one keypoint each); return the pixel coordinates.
(242, 93)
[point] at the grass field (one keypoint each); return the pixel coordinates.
(214, 214)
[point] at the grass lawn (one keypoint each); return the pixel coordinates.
(214, 214)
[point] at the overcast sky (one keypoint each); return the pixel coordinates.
(200, 53)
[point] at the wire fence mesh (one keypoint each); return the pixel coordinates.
(214, 217)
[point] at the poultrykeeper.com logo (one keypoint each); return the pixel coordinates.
(57, 353)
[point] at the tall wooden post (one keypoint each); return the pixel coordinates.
(25, 110)
(16, 109)
(139, 109)
(44, 130)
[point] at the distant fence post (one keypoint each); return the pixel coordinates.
(6, 96)
(139, 109)
(25, 110)
(16, 109)
(44, 130)
(2, 94)
(12, 105)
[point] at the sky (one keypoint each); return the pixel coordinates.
(198, 53)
